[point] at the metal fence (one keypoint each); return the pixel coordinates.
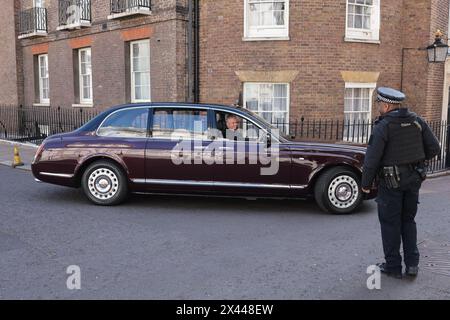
(34, 124)
(74, 11)
(32, 20)
(341, 131)
(119, 6)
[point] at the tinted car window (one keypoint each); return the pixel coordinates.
(180, 123)
(126, 123)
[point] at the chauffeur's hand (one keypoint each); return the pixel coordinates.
(365, 190)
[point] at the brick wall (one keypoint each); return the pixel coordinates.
(9, 66)
(108, 40)
(318, 52)
(435, 84)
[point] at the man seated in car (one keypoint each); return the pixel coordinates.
(233, 131)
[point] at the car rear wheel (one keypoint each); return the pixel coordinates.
(104, 183)
(338, 191)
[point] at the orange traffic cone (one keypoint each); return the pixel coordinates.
(17, 161)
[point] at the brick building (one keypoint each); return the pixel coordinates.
(289, 59)
(85, 53)
(286, 59)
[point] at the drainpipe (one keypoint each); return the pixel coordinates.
(193, 45)
(197, 51)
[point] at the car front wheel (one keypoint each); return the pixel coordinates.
(104, 183)
(338, 191)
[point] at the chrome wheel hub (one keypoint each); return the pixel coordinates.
(103, 184)
(343, 191)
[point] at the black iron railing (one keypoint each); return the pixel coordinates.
(327, 130)
(32, 20)
(120, 6)
(74, 11)
(33, 124)
(342, 131)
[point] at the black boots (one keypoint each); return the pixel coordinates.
(390, 273)
(412, 271)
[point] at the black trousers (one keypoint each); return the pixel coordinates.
(397, 209)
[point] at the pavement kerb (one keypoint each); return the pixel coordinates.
(23, 144)
(31, 148)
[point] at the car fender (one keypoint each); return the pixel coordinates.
(85, 161)
(344, 161)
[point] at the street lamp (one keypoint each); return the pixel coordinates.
(438, 51)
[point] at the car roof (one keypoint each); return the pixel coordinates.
(95, 122)
(177, 104)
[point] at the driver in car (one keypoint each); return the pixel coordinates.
(233, 132)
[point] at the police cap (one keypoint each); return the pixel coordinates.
(390, 95)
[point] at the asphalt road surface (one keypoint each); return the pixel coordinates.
(161, 247)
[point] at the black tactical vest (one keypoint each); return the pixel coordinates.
(405, 142)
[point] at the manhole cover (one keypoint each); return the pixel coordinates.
(435, 257)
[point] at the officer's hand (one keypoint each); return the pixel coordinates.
(365, 190)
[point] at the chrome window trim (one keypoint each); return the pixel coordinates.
(206, 108)
(216, 183)
(179, 140)
(59, 175)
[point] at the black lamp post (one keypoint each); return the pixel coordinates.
(437, 52)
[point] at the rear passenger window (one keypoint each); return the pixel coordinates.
(126, 123)
(180, 123)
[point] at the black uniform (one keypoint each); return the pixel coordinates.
(400, 140)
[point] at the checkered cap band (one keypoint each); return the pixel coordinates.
(381, 98)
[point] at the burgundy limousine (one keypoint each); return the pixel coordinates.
(177, 148)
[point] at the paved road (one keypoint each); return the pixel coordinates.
(156, 247)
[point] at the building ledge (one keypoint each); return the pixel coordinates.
(130, 12)
(44, 105)
(266, 39)
(33, 34)
(371, 41)
(76, 25)
(82, 105)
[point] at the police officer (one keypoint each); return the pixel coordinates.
(400, 143)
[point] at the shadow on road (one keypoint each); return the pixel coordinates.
(67, 197)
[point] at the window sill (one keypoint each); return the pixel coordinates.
(140, 101)
(130, 12)
(82, 105)
(34, 34)
(266, 39)
(76, 25)
(41, 105)
(362, 40)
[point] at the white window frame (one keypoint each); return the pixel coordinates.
(288, 99)
(365, 35)
(42, 77)
(83, 100)
(268, 32)
(133, 81)
(355, 85)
